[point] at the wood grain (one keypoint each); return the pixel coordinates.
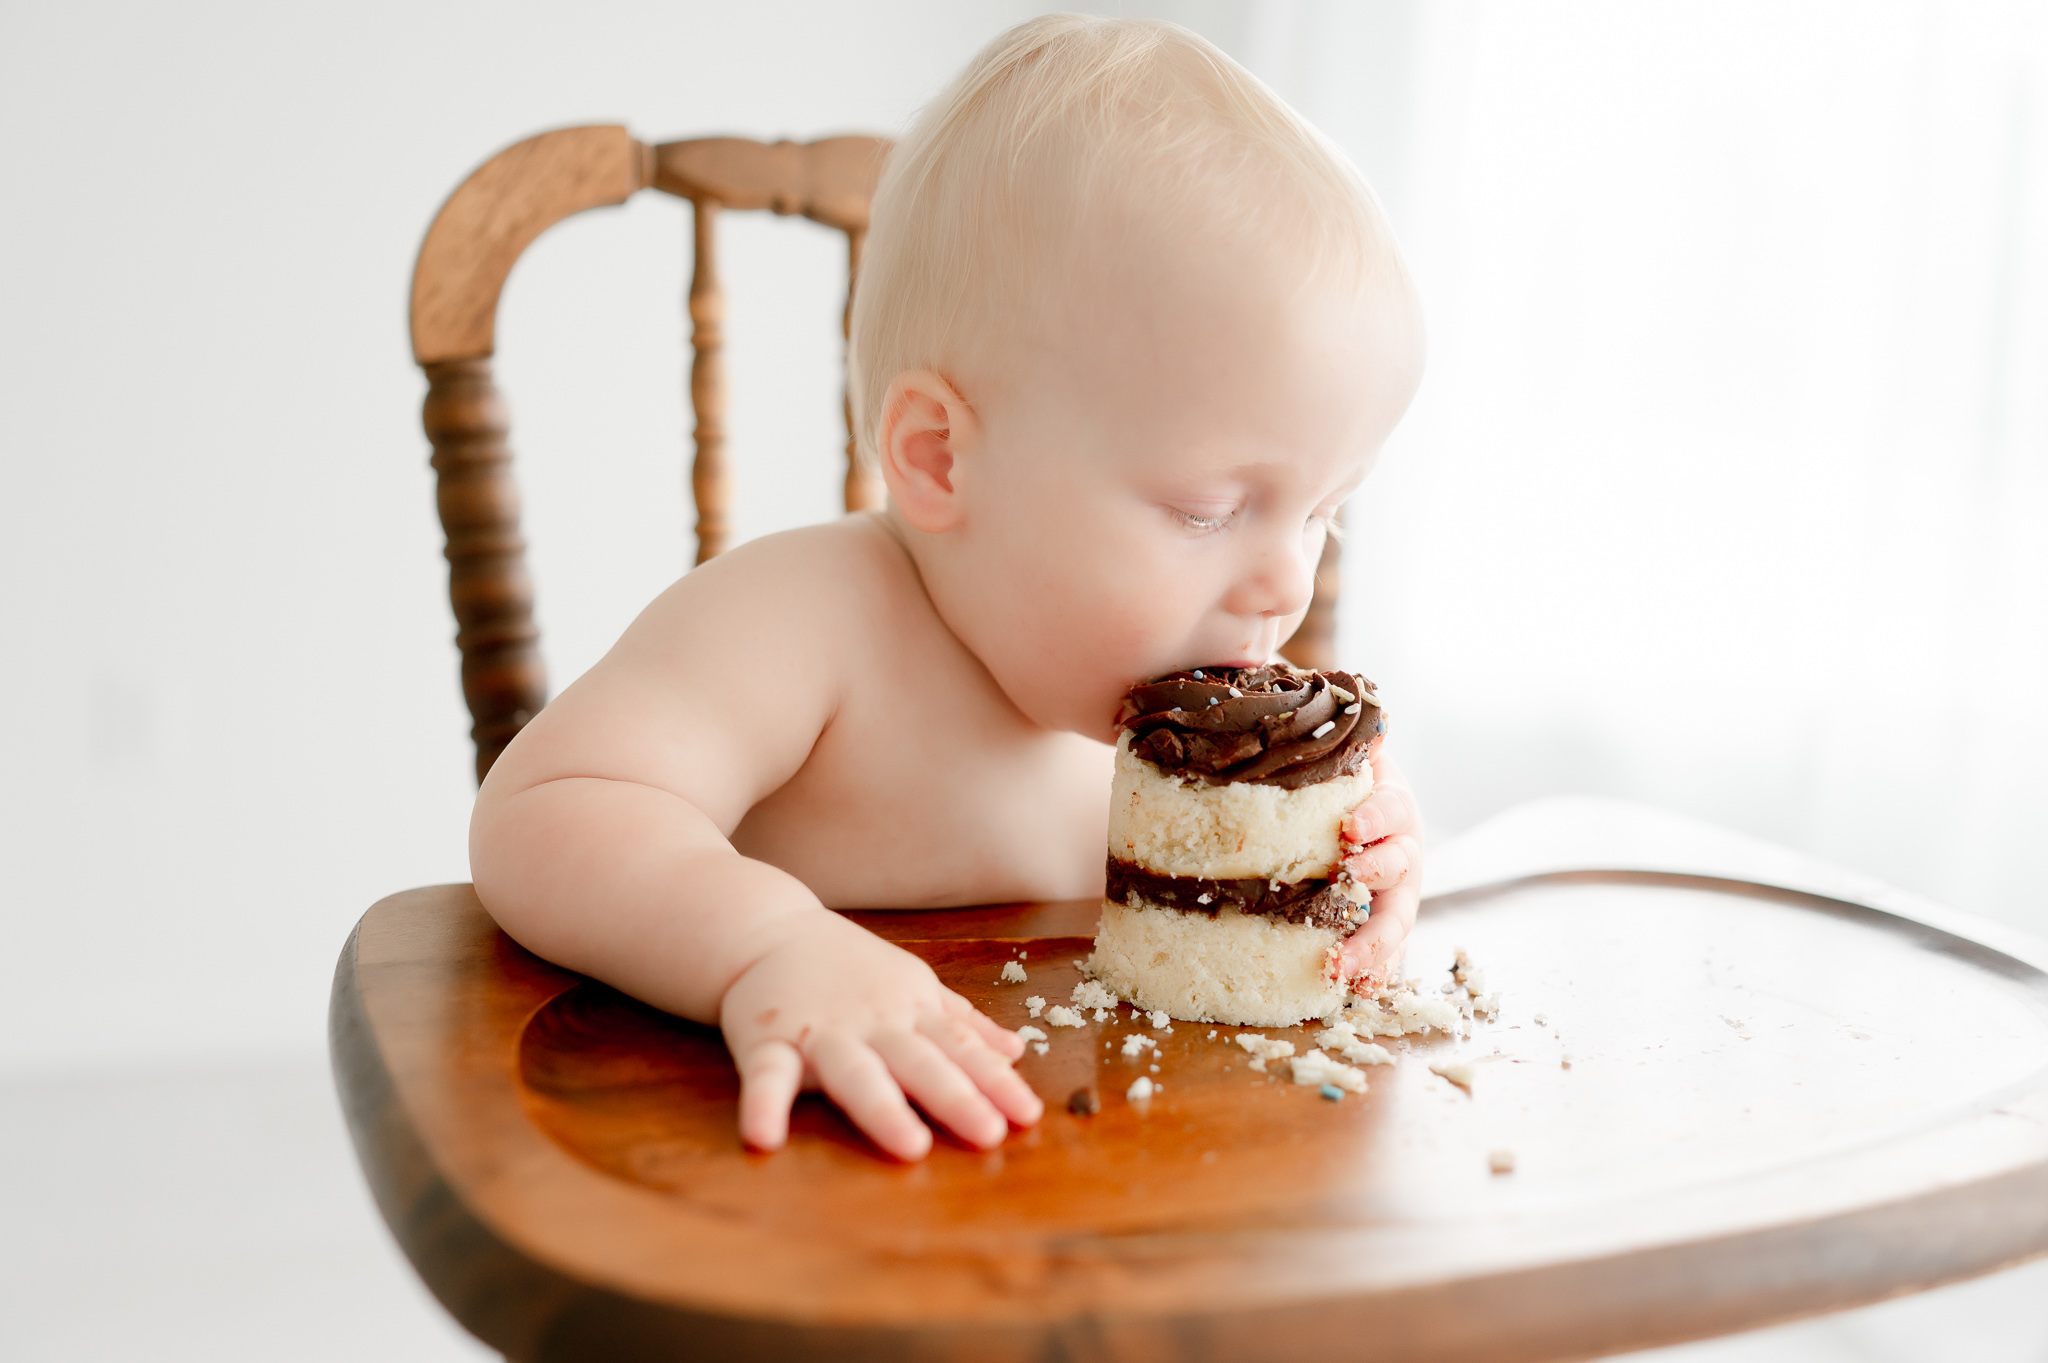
(503, 679)
(1751, 1129)
(490, 220)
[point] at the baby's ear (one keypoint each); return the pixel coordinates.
(926, 430)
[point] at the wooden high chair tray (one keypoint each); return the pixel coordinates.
(1775, 1103)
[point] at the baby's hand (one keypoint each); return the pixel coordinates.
(1382, 845)
(837, 1008)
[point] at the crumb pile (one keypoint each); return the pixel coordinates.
(1335, 1065)
(1226, 898)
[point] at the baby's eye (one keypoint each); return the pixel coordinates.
(1194, 522)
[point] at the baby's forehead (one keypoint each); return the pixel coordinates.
(1143, 279)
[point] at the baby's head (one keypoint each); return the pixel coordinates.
(1126, 333)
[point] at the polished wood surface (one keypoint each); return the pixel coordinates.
(1775, 1104)
(469, 251)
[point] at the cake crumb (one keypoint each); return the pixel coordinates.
(1136, 1042)
(1402, 1010)
(1101, 1015)
(1012, 973)
(1158, 1018)
(1141, 1089)
(1457, 1071)
(1084, 1102)
(1564, 1062)
(1060, 1015)
(1035, 1004)
(1041, 1046)
(1470, 980)
(1542, 1021)
(1261, 1049)
(1212, 1034)
(1089, 994)
(1342, 1038)
(1317, 1068)
(1501, 1161)
(1030, 1033)
(1155, 1069)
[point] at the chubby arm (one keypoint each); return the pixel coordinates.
(600, 841)
(1382, 844)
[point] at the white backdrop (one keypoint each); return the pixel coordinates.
(1728, 489)
(1725, 490)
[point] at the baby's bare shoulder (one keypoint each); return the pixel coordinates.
(817, 587)
(793, 619)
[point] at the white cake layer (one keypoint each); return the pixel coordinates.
(1237, 968)
(1230, 832)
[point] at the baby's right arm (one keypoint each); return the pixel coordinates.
(599, 841)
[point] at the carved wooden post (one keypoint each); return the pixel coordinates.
(487, 222)
(707, 386)
(1315, 643)
(864, 490)
(502, 676)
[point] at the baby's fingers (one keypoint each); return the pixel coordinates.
(990, 1072)
(770, 1075)
(855, 1078)
(1376, 948)
(1386, 863)
(942, 1088)
(1388, 810)
(1002, 1040)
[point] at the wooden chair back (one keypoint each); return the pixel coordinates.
(469, 251)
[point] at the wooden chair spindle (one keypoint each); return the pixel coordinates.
(864, 490)
(708, 481)
(502, 676)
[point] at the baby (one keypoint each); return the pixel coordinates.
(1128, 333)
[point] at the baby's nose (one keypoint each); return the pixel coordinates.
(1277, 579)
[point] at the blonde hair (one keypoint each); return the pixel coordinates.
(1067, 124)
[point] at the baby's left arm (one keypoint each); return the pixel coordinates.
(1382, 845)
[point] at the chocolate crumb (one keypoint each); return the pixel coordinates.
(1084, 1102)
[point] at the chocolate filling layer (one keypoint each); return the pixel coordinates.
(1317, 903)
(1274, 726)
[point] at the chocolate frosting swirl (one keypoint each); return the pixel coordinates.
(1317, 903)
(1276, 726)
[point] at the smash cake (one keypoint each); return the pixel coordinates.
(1226, 897)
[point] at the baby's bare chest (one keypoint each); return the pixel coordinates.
(909, 804)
